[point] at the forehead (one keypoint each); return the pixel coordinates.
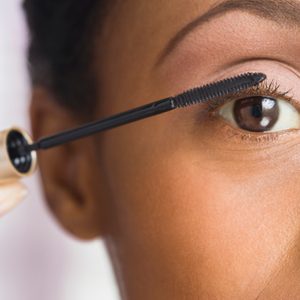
(165, 14)
(151, 23)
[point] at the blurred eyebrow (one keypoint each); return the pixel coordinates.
(283, 12)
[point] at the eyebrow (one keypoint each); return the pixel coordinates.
(286, 12)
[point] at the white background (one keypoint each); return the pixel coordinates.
(38, 260)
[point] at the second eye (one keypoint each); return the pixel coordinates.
(261, 114)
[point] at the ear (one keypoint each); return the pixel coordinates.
(71, 181)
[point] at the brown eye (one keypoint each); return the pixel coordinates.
(256, 113)
(261, 114)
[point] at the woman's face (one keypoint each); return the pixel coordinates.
(197, 207)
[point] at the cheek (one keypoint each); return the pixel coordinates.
(180, 210)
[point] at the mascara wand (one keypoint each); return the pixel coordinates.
(190, 97)
(18, 152)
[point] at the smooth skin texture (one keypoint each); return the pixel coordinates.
(189, 207)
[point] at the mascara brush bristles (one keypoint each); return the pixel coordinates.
(218, 89)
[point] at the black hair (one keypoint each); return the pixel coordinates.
(61, 48)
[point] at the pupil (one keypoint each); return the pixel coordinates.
(256, 113)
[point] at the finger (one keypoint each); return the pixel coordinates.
(11, 195)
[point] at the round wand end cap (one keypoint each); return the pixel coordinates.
(15, 160)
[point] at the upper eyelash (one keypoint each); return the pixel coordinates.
(271, 89)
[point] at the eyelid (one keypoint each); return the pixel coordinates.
(271, 89)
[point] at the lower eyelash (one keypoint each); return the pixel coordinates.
(228, 132)
(251, 137)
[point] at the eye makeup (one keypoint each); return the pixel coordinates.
(270, 90)
(264, 89)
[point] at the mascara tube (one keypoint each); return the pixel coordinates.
(15, 160)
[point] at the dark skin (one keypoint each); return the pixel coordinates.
(190, 207)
